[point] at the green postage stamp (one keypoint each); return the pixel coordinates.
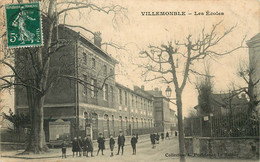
(24, 26)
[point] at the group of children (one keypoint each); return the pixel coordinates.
(85, 146)
(156, 137)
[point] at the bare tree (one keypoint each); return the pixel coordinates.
(31, 66)
(163, 63)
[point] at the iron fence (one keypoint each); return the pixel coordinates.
(237, 125)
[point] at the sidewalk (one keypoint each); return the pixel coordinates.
(56, 152)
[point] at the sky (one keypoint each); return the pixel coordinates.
(136, 32)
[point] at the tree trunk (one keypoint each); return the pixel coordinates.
(37, 142)
(180, 125)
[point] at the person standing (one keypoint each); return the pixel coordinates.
(111, 144)
(153, 140)
(133, 143)
(162, 136)
(75, 146)
(89, 146)
(63, 150)
(84, 146)
(80, 146)
(101, 143)
(121, 142)
(176, 133)
(167, 135)
(157, 138)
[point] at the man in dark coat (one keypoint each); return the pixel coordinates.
(121, 142)
(111, 145)
(133, 143)
(63, 150)
(75, 147)
(153, 140)
(80, 145)
(101, 143)
(89, 146)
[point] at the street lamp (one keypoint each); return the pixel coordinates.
(168, 91)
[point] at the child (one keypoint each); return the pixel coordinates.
(89, 146)
(63, 150)
(101, 143)
(111, 144)
(133, 143)
(75, 146)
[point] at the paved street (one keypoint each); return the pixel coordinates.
(144, 154)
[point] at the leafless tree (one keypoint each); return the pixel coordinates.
(31, 66)
(163, 63)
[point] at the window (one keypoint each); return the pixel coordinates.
(133, 102)
(93, 87)
(105, 70)
(93, 63)
(85, 58)
(120, 96)
(136, 102)
(112, 94)
(125, 98)
(105, 92)
(85, 85)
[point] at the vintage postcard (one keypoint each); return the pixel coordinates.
(139, 80)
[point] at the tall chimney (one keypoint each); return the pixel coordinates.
(97, 39)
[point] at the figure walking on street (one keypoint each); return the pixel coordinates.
(121, 142)
(63, 150)
(162, 136)
(133, 143)
(167, 135)
(157, 138)
(101, 143)
(153, 136)
(89, 146)
(111, 144)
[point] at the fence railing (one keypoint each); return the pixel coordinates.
(221, 126)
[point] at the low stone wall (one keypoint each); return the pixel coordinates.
(223, 147)
(10, 146)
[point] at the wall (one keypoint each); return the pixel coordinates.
(223, 147)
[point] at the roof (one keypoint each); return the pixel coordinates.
(157, 94)
(224, 98)
(254, 39)
(90, 44)
(140, 92)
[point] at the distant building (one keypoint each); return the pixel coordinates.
(163, 115)
(254, 63)
(135, 109)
